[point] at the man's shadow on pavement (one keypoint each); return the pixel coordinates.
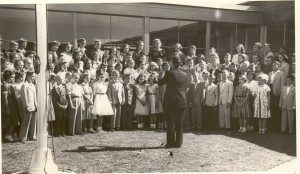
(109, 148)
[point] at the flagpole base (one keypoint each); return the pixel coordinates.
(42, 162)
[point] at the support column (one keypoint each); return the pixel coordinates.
(42, 162)
(232, 41)
(75, 33)
(146, 34)
(246, 38)
(207, 38)
(263, 38)
(284, 34)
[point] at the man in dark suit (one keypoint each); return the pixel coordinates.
(174, 103)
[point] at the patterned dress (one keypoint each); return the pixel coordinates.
(240, 93)
(261, 104)
(152, 94)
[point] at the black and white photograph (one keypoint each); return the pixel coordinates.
(148, 86)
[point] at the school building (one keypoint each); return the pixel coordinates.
(202, 24)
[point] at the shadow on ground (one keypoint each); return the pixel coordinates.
(109, 148)
(277, 141)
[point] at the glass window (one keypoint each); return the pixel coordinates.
(15, 23)
(166, 31)
(91, 26)
(275, 36)
(220, 37)
(290, 37)
(60, 26)
(192, 33)
(240, 39)
(253, 36)
(127, 30)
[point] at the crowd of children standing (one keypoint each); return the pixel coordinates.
(92, 91)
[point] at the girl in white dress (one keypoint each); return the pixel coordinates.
(87, 116)
(152, 94)
(102, 106)
(141, 108)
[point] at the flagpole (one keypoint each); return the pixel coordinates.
(42, 161)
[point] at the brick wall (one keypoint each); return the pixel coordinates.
(279, 11)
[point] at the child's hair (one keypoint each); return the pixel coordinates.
(7, 74)
(137, 79)
(118, 65)
(17, 63)
(51, 78)
(29, 73)
(264, 77)
(12, 56)
(205, 72)
(292, 77)
(232, 75)
(123, 46)
(75, 75)
(138, 42)
(19, 75)
(153, 64)
(189, 59)
(154, 75)
(99, 73)
(114, 72)
(53, 43)
(86, 75)
(111, 50)
(226, 72)
(157, 40)
(277, 63)
(228, 55)
(166, 64)
(212, 76)
(81, 40)
(102, 65)
(126, 76)
(243, 77)
(68, 74)
(130, 61)
(179, 45)
(86, 63)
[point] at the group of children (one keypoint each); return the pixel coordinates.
(92, 90)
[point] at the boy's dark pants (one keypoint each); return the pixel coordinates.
(60, 120)
(127, 112)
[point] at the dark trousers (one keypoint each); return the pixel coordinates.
(175, 117)
(60, 118)
(275, 121)
(127, 116)
(210, 117)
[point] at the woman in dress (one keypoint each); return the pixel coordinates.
(102, 106)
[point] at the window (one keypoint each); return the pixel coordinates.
(253, 36)
(275, 36)
(60, 26)
(166, 30)
(220, 37)
(192, 33)
(91, 26)
(290, 37)
(126, 30)
(15, 24)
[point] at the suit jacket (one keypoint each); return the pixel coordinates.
(115, 93)
(225, 92)
(199, 94)
(176, 85)
(287, 100)
(211, 95)
(28, 96)
(278, 83)
(59, 96)
(126, 94)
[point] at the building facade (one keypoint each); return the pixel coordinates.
(116, 24)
